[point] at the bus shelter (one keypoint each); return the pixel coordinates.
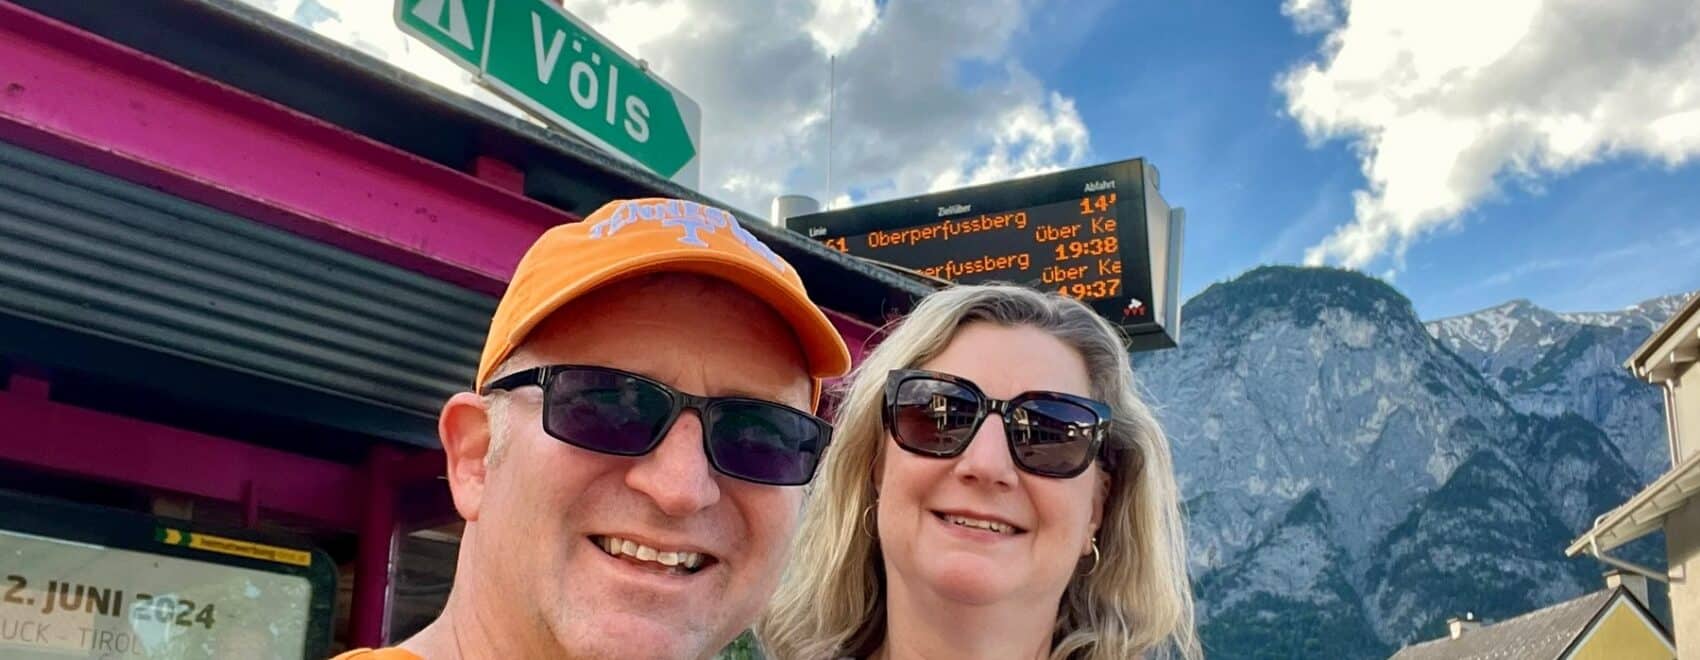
(241, 267)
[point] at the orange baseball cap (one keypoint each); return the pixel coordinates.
(626, 238)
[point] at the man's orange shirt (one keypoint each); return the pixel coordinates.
(377, 654)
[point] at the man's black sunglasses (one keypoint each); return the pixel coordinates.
(1050, 434)
(617, 412)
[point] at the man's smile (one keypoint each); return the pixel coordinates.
(664, 560)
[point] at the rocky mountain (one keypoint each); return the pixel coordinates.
(1551, 363)
(1352, 481)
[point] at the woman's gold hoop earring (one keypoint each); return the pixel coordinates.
(867, 523)
(1096, 558)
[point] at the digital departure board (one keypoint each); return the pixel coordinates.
(1101, 234)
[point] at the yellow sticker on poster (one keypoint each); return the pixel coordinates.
(229, 546)
(62, 599)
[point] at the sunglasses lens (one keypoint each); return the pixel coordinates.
(605, 411)
(764, 442)
(934, 416)
(1052, 437)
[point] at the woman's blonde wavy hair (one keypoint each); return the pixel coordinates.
(1137, 602)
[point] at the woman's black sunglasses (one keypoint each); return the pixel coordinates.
(616, 412)
(1050, 434)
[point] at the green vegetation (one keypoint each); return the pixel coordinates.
(742, 648)
(1329, 624)
(1469, 500)
(1267, 627)
(1551, 366)
(1302, 292)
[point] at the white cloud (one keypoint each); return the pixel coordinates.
(838, 24)
(1030, 139)
(1597, 261)
(904, 122)
(1312, 15)
(1447, 100)
(368, 26)
(1520, 271)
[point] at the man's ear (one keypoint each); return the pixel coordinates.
(464, 429)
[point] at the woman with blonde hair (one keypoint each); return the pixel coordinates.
(996, 489)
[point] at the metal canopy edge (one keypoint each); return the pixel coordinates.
(249, 49)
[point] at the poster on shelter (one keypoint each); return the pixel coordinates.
(66, 599)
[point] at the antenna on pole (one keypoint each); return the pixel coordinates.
(831, 105)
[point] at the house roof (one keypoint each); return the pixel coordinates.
(1543, 633)
(258, 53)
(1672, 345)
(1644, 513)
(1675, 343)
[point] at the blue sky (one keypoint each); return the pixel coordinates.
(1191, 85)
(1470, 153)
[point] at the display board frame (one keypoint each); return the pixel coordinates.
(1148, 237)
(77, 523)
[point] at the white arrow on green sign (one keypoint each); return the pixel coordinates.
(536, 55)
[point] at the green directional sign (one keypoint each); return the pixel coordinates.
(455, 28)
(541, 58)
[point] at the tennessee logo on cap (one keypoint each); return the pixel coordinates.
(632, 237)
(690, 218)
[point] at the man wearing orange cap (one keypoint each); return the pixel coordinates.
(630, 463)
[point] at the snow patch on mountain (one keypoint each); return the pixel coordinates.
(1352, 476)
(1551, 363)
